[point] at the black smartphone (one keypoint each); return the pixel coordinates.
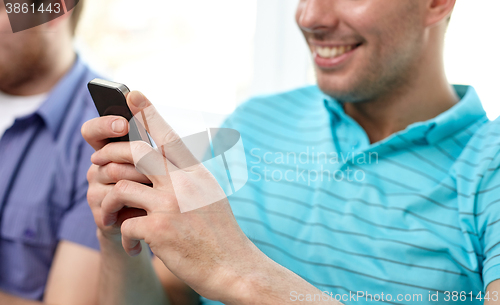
(110, 98)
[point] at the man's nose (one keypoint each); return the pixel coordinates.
(317, 15)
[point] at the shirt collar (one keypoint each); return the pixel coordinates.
(466, 112)
(53, 110)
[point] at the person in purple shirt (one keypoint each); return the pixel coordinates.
(48, 244)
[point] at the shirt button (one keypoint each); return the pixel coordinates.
(29, 233)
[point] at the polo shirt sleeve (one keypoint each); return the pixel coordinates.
(488, 221)
(78, 224)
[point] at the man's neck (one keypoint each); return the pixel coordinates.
(424, 94)
(428, 95)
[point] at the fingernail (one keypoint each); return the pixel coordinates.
(135, 252)
(109, 221)
(118, 126)
(92, 158)
(139, 100)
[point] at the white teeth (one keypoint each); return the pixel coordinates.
(327, 52)
(323, 52)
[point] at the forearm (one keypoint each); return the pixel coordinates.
(128, 280)
(12, 300)
(271, 283)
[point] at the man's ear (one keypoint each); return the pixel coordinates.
(438, 10)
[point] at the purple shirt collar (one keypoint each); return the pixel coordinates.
(54, 108)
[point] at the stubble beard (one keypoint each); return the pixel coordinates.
(24, 65)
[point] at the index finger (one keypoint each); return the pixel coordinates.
(145, 158)
(98, 131)
(165, 137)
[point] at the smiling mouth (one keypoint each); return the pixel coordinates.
(332, 52)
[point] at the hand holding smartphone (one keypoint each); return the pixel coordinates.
(110, 98)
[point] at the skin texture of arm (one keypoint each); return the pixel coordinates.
(128, 280)
(123, 279)
(178, 292)
(139, 280)
(73, 278)
(493, 290)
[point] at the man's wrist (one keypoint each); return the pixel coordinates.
(108, 241)
(251, 282)
(243, 289)
(265, 282)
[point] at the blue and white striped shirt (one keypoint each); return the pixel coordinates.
(415, 216)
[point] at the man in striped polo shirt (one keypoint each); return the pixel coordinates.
(378, 185)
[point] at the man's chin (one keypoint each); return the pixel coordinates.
(335, 91)
(344, 89)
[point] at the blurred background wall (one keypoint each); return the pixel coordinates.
(209, 56)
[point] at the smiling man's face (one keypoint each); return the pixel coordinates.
(363, 49)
